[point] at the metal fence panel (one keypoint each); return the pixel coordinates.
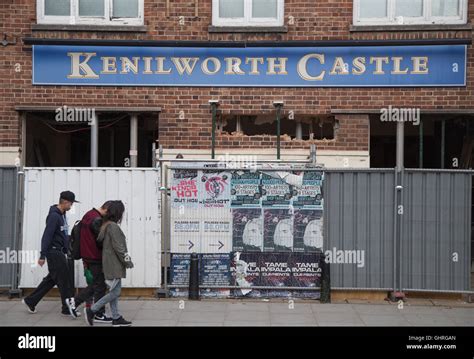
(436, 230)
(137, 188)
(359, 215)
(8, 191)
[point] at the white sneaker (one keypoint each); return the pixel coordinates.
(72, 307)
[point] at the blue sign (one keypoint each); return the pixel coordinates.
(368, 66)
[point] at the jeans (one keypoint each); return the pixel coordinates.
(96, 289)
(115, 287)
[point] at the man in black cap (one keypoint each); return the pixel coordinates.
(54, 248)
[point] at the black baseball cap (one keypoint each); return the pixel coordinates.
(68, 196)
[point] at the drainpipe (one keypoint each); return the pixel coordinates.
(134, 140)
(278, 105)
(213, 104)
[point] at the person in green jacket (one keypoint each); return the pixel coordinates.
(115, 261)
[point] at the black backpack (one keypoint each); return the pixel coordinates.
(75, 240)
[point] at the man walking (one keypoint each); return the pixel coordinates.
(54, 249)
(91, 256)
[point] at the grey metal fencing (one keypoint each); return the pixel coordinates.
(436, 230)
(432, 251)
(359, 215)
(8, 225)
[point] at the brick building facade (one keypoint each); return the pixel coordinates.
(179, 117)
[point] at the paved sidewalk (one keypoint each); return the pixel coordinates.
(173, 312)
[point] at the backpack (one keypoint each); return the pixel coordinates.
(75, 240)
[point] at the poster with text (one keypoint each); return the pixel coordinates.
(247, 229)
(186, 231)
(310, 195)
(278, 230)
(245, 189)
(285, 272)
(214, 270)
(184, 189)
(308, 230)
(216, 235)
(214, 189)
(276, 192)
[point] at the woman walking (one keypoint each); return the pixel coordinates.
(115, 261)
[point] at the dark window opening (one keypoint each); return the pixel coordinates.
(302, 127)
(428, 153)
(50, 143)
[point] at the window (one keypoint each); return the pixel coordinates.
(304, 127)
(409, 12)
(247, 12)
(92, 12)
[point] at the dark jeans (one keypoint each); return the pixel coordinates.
(96, 290)
(58, 275)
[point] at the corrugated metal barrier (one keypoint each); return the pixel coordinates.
(433, 252)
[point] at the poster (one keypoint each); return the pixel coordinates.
(202, 231)
(214, 270)
(184, 189)
(310, 195)
(308, 230)
(278, 230)
(251, 229)
(284, 270)
(186, 230)
(245, 189)
(179, 269)
(214, 189)
(216, 232)
(247, 224)
(276, 192)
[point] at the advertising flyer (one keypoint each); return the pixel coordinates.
(214, 189)
(184, 189)
(245, 189)
(278, 230)
(247, 229)
(276, 192)
(308, 230)
(310, 195)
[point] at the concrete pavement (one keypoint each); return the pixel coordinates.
(174, 312)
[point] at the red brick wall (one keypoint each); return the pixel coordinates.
(315, 20)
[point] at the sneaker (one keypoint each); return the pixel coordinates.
(102, 318)
(89, 316)
(68, 314)
(120, 322)
(72, 307)
(31, 309)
